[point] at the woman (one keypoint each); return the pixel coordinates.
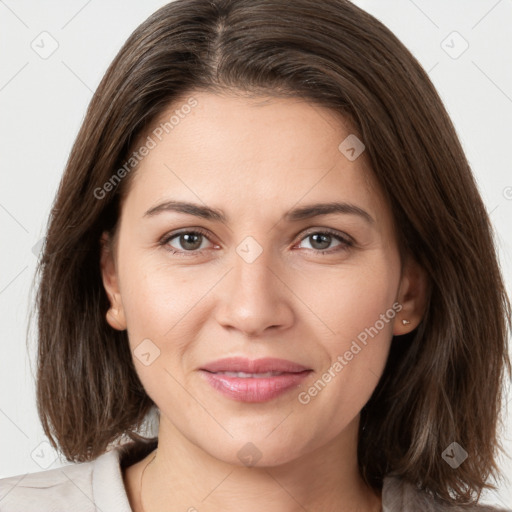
(268, 232)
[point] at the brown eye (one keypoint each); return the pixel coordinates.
(185, 242)
(321, 241)
(190, 241)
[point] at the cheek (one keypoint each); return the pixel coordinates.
(155, 295)
(350, 299)
(158, 302)
(358, 309)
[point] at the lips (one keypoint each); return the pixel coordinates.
(260, 380)
(258, 366)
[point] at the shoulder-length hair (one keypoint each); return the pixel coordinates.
(442, 383)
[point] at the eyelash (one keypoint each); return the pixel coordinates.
(346, 242)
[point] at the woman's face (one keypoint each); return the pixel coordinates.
(271, 279)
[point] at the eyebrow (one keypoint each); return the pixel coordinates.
(297, 214)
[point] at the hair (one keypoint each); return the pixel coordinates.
(442, 382)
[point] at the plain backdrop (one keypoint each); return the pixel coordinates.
(53, 55)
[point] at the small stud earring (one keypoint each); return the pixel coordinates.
(405, 322)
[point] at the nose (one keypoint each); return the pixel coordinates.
(255, 297)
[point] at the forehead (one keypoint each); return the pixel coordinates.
(230, 148)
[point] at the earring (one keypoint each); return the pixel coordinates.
(405, 322)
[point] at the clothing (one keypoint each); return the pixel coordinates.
(98, 486)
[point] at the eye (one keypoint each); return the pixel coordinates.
(187, 241)
(322, 239)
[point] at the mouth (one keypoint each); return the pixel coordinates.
(254, 381)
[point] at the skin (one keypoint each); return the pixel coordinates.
(256, 159)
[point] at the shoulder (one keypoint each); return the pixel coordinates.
(398, 495)
(84, 487)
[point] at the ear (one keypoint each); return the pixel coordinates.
(115, 315)
(412, 295)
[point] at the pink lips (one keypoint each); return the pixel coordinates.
(258, 388)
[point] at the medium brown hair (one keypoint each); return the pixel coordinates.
(442, 383)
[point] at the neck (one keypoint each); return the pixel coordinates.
(181, 474)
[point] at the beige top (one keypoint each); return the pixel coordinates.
(98, 486)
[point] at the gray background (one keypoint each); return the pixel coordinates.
(43, 99)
